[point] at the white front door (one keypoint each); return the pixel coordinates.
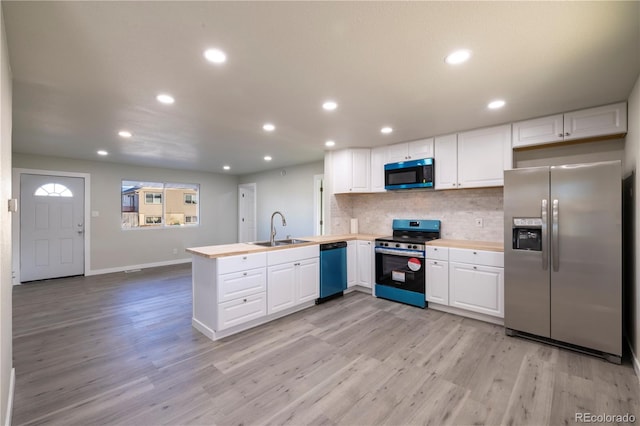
(51, 227)
(247, 213)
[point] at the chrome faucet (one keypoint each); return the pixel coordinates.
(273, 229)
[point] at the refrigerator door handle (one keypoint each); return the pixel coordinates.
(555, 242)
(543, 214)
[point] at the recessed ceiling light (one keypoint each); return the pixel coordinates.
(499, 103)
(458, 57)
(125, 134)
(330, 143)
(165, 99)
(329, 105)
(386, 130)
(216, 56)
(103, 152)
(268, 127)
(267, 158)
(226, 167)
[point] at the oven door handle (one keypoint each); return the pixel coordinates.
(403, 253)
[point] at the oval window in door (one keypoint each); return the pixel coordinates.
(53, 190)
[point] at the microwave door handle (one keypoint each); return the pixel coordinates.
(543, 214)
(555, 240)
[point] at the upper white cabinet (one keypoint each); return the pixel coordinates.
(351, 170)
(415, 150)
(473, 159)
(587, 123)
(446, 161)
(378, 160)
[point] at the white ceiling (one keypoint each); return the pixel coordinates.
(82, 71)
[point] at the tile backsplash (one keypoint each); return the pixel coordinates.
(457, 209)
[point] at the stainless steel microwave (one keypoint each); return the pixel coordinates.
(409, 174)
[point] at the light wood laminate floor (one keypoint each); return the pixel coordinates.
(120, 349)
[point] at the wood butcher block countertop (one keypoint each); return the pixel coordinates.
(472, 245)
(235, 249)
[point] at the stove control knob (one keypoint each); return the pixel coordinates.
(397, 245)
(414, 247)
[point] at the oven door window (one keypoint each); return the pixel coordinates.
(400, 271)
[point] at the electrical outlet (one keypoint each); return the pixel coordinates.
(479, 222)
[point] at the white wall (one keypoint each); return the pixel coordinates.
(291, 193)
(6, 362)
(114, 249)
(632, 162)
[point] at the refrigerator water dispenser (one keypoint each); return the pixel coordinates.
(527, 234)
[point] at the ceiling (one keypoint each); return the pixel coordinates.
(82, 71)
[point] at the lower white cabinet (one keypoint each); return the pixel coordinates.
(238, 311)
(352, 262)
(359, 263)
(472, 280)
(476, 281)
(437, 275)
(293, 282)
(437, 285)
(364, 262)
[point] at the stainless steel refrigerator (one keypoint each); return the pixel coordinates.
(563, 255)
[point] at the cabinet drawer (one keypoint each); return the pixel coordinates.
(241, 263)
(477, 257)
(276, 257)
(241, 284)
(238, 311)
(438, 253)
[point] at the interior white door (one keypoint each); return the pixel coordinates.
(247, 230)
(51, 227)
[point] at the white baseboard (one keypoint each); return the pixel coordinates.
(634, 360)
(140, 266)
(464, 313)
(12, 386)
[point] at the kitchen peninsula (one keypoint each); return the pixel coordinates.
(242, 285)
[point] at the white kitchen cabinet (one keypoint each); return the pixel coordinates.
(599, 121)
(293, 277)
(446, 161)
(476, 281)
(437, 275)
(228, 291)
(365, 263)
(308, 280)
(351, 169)
(360, 263)
(281, 293)
(538, 131)
(414, 150)
(352, 263)
(239, 311)
(378, 160)
(586, 123)
(483, 156)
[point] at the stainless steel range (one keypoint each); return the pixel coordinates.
(400, 261)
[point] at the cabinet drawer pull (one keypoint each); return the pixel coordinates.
(475, 267)
(435, 263)
(475, 252)
(567, 134)
(244, 300)
(559, 135)
(244, 273)
(244, 257)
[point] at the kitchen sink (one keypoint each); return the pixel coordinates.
(278, 243)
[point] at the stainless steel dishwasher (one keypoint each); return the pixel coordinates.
(333, 270)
